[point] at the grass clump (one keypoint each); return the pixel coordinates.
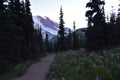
(79, 65)
(18, 70)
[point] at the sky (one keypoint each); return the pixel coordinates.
(74, 10)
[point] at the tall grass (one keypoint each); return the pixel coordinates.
(17, 70)
(76, 65)
(21, 68)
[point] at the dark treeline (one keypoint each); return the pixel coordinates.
(101, 33)
(66, 41)
(18, 39)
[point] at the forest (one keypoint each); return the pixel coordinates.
(19, 41)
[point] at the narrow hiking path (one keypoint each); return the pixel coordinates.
(39, 70)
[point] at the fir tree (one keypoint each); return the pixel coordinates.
(40, 42)
(16, 29)
(2, 37)
(69, 40)
(118, 25)
(74, 27)
(2, 12)
(47, 44)
(111, 30)
(114, 30)
(10, 36)
(112, 17)
(96, 37)
(61, 37)
(75, 38)
(17, 8)
(29, 28)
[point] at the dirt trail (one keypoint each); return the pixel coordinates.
(39, 70)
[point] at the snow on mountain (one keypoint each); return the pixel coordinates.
(47, 25)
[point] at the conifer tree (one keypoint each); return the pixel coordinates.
(40, 42)
(118, 25)
(10, 37)
(112, 17)
(1, 6)
(114, 24)
(47, 44)
(2, 37)
(25, 18)
(17, 8)
(61, 37)
(96, 37)
(118, 18)
(69, 40)
(110, 31)
(29, 15)
(74, 27)
(11, 11)
(16, 29)
(2, 12)
(75, 38)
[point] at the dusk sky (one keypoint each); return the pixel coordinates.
(74, 10)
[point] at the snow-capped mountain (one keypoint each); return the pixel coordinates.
(47, 25)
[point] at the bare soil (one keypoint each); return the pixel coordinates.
(39, 70)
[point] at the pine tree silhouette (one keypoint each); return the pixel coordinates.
(96, 37)
(61, 37)
(75, 38)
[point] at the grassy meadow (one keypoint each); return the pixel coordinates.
(80, 65)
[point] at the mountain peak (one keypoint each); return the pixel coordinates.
(47, 25)
(46, 18)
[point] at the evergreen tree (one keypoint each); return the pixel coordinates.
(61, 37)
(118, 20)
(69, 40)
(112, 17)
(2, 8)
(2, 35)
(16, 29)
(112, 30)
(29, 29)
(114, 24)
(55, 45)
(47, 44)
(40, 42)
(74, 27)
(18, 18)
(2, 12)
(118, 27)
(11, 11)
(17, 13)
(75, 38)
(96, 36)
(9, 36)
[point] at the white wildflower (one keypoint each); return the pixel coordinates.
(63, 78)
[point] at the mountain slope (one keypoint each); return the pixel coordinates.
(81, 32)
(48, 26)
